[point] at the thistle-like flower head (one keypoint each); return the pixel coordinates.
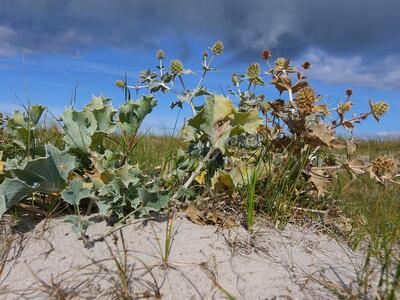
(120, 83)
(266, 54)
(282, 63)
(160, 54)
(253, 74)
(379, 109)
(344, 107)
(235, 79)
(218, 48)
(176, 66)
(383, 165)
(305, 99)
(253, 71)
(306, 65)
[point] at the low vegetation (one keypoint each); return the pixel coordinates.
(276, 159)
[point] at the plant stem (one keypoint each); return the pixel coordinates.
(196, 172)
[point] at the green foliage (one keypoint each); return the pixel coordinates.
(132, 113)
(374, 212)
(282, 152)
(46, 174)
(218, 120)
(95, 163)
(75, 192)
(79, 225)
(22, 128)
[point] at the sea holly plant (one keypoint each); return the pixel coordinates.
(223, 140)
(47, 175)
(272, 149)
(94, 162)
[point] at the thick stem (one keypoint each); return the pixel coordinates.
(198, 169)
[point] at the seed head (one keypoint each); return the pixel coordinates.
(349, 92)
(176, 66)
(278, 105)
(306, 65)
(266, 54)
(305, 99)
(344, 107)
(235, 79)
(379, 109)
(253, 71)
(160, 54)
(218, 48)
(253, 74)
(120, 83)
(383, 165)
(282, 63)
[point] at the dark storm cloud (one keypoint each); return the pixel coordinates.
(346, 27)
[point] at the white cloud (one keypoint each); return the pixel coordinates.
(383, 73)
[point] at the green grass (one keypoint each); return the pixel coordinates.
(153, 151)
(374, 148)
(375, 214)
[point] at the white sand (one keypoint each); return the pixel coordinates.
(268, 265)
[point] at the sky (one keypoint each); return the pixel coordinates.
(51, 50)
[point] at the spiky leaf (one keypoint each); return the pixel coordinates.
(13, 190)
(132, 113)
(153, 201)
(75, 192)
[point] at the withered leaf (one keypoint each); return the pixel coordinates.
(351, 147)
(320, 179)
(298, 86)
(195, 215)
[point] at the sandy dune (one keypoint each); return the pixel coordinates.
(205, 263)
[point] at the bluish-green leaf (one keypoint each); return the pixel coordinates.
(75, 192)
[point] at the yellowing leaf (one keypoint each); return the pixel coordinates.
(201, 177)
(222, 182)
(246, 122)
(214, 120)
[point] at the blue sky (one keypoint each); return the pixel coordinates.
(47, 48)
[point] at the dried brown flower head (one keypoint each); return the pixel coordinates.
(306, 65)
(266, 54)
(278, 105)
(205, 54)
(305, 99)
(383, 165)
(176, 66)
(349, 92)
